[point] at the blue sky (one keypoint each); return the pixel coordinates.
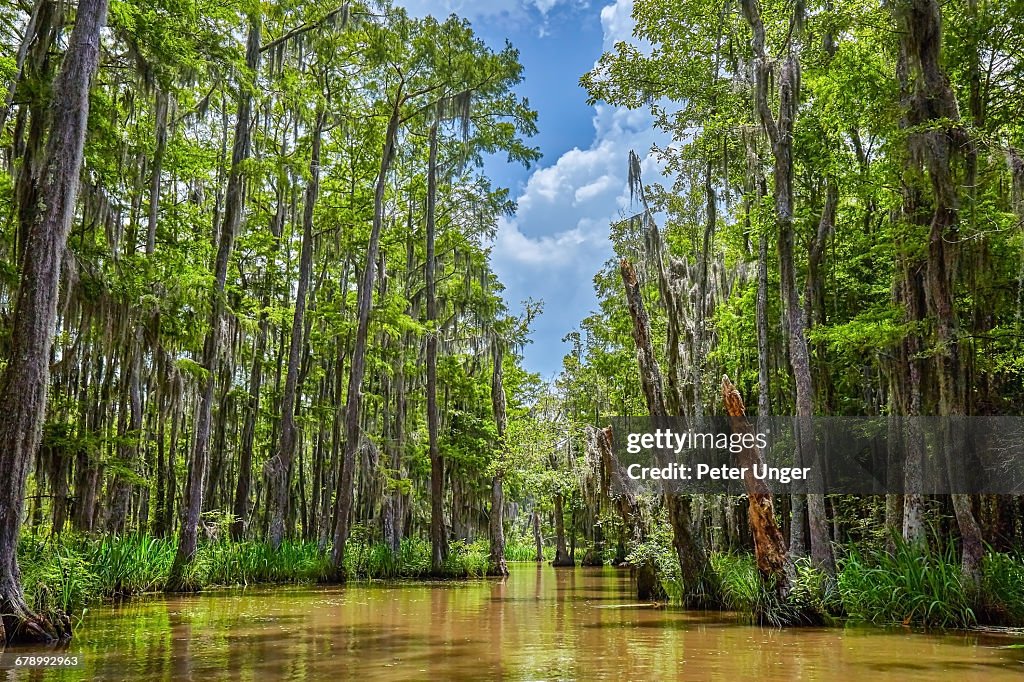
(558, 239)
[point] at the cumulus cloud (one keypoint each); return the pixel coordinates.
(560, 231)
(475, 9)
(559, 237)
(617, 20)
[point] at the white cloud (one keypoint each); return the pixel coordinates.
(475, 9)
(617, 20)
(594, 189)
(559, 237)
(570, 204)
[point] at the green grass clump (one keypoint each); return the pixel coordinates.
(912, 586)
(739, 581)
(130, 564)
(1002, 589)
(246, 563)
(70, 572)
(524, 550)
(57, 576)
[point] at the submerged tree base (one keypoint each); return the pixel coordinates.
(20, 625)
(648, 585)
(773, 611)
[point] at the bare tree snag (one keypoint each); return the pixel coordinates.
(773, 562)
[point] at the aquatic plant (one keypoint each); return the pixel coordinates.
(912, 585)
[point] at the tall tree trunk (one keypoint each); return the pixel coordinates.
(496, 562)
(158, 161)
(188, 535)
(130, 428)
(438, 545)
(562, 557)
(700, 584)
(764, 400)
(344, 493)
(23, 385)
(279, 467)
(931, 104)
(392, 510)
(538, 542)
(780, 135)
(910, 294)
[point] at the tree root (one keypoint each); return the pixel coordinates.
(19, 624)
(497, 569)
(786, 610)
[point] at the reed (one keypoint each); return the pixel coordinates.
(912, 585)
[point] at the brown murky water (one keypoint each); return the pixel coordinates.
(541, 624)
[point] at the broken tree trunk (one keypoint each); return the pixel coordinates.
(700, 586)
(773, 562)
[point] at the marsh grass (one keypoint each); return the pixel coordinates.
(69, 573)
(1002, 590)
(913, 586)
(524, 550)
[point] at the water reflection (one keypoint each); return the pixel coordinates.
(541, 623)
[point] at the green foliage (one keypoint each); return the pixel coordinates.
(657, 551)
(741, 585)
(72, 572)
(913, 585)
(1002, 589)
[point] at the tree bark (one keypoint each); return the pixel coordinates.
(158, 161)
(438, 545)
(930, 102)
(279, 466)
(344, 493)
(562, 557)
(496, 562)
(188, 535)
(700, 585)
(24, 383)
(773, 564)
(537, 540)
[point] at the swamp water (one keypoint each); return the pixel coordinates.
(540, 624)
